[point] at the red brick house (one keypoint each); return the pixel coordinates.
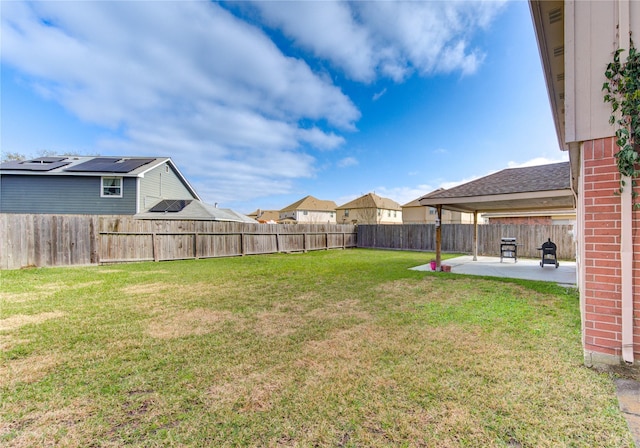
(577, 40)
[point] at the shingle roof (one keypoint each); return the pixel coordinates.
(311, 204)
(265, 215)
(91, 166)
(555, 176)
(198, 211)
(372, 200)
(82, 165)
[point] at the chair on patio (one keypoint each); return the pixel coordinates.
(549, 255)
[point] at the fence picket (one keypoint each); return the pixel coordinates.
(458, 238)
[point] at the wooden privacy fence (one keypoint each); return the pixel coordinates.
(127, 239)
(459, 238)
(62, 240)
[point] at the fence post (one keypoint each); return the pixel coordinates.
(154, 242)
(195, 245)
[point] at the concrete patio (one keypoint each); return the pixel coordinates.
(525, 268)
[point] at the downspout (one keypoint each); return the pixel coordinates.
(576, 169)
(626, 267)
(626, 218)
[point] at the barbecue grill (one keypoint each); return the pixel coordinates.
(508, 249)
(549, 255)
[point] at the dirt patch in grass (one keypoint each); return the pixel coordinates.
(60, 426)
(246, 393)
(415, 291)
(340, 310)
(283, 320)
(187, 323)
(341, 354)
(145, 288)
(41, 292)
(154, 272)
(433, 290)
(28, 370)
(286, 318)
(7, 341)
(84, 284)
(20, 320)
(185, 293)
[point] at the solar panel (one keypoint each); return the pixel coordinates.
(31, 165)
(170, 205)
(109, 165)
(48, 159)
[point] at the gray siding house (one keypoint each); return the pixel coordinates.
(90, 185)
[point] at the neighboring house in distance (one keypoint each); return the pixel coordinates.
(265, 216)
(370, 209)
(309, 210)
(414, 213)
(558, 217)
(145, 187)
(577, 40)
(191, 210)
(90, 185)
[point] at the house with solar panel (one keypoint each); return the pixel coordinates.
(148, 188)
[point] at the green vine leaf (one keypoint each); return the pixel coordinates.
(623, 94)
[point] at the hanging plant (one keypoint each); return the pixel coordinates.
(623, 92)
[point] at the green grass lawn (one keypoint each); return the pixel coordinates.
(333, 348)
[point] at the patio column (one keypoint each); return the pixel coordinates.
(475, 235)
(438, 236)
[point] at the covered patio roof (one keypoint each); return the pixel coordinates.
(535, 188)
(543, 187)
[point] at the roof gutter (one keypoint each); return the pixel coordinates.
(626, 217)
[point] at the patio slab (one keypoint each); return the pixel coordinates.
(524, 268)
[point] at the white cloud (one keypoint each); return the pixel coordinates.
(347, 162)
(328, 29)
(563, 157)
(192, 81)
(403, 195)
(390, 38)
(185, 79)
(377, 96)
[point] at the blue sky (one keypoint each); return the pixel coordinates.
(262, 103)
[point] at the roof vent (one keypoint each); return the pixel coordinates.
(555, 15)
(558, 51)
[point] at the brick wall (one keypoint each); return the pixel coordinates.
(601, 258)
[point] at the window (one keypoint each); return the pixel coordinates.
(346, 213)
(379, 212)
(395, 213)
(111, 187)
(388, 213)
(432, 211)
(306, 212)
